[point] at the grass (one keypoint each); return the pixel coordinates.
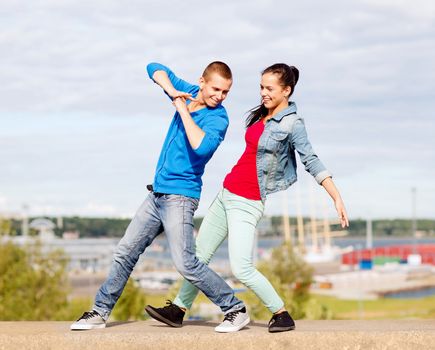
(421, 308)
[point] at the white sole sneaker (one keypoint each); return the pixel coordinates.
(83, 327)
(226, 329)
(89, 320)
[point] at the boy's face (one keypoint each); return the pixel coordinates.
(214, 89)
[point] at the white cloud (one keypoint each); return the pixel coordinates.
(81, 120)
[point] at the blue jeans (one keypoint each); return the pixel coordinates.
(172, 214)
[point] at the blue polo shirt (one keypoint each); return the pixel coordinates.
(180, 167)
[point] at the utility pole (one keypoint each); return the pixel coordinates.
(414, 212)
(314, 237)
(369, 232)
(25, 221)
(285, 218)
(414, 220)
(300, 221)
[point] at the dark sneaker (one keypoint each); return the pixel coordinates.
(281, 322)
(170, 314)
(89, 320)
(233, 321)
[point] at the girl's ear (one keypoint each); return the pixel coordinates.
(287, 91)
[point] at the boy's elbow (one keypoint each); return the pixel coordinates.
(206, 147)
(202, 151)
(152, 68)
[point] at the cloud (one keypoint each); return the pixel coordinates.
(81, 120)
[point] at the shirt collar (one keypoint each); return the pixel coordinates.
(288, 110)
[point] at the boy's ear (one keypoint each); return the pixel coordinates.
(201, 82)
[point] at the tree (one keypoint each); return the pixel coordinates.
(130, 305)
(33, 284)
(291, 276)
(6, 227)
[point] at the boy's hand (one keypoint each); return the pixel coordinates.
(176, 94)
(180, 104)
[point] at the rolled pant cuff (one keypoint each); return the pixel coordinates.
(103, 313)
(236, 307)
(274, 309)
(180, 304)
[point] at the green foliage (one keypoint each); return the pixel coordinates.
(96, 227)
(291, 277)
(389, 228)
(112, 227)
(6, 228)
(197, 221)
(130, 305)
(316, 310)
(33, 284)
(74, 309)
(88, 227)
(358, 227)
(173, 291)
(385, 309)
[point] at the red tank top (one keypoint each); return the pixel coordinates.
(243, 180)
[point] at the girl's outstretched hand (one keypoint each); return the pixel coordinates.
(342, 215)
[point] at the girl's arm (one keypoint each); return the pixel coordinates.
(329, 186)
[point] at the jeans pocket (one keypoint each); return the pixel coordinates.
(194, 202)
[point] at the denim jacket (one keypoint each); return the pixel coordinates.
(276, 159)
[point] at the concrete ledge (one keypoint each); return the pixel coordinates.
(412, 334)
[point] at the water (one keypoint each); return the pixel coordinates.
(360, 242)
(265, 244)
(97, 254)
(411, 294)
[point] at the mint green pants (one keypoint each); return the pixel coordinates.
(236, 217)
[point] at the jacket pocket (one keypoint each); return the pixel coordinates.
(279, 135)
(278, 142)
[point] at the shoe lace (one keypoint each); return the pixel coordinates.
(169, 304)
(89, 314)
(231, 316)
(273, 319)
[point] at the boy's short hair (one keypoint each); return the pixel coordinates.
(218, 67)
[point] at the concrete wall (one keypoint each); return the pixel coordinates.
(334, 335)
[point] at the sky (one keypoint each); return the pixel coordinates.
(81, 124)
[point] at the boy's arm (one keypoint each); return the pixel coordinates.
(204, 141)
(169, 82)
(162, 79)
(194, 133)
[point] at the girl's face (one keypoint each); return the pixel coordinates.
(273, 94)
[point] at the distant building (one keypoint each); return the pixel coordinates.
(44, 227)
(71, 235)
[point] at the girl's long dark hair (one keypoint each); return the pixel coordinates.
(288, 76)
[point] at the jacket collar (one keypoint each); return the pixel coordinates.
(288, 110)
